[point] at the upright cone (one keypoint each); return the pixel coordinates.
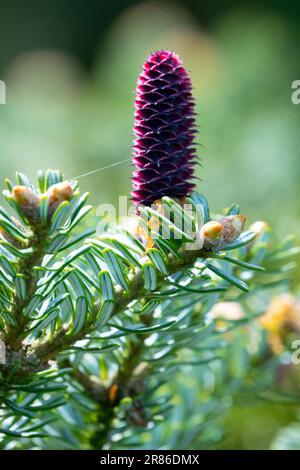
(164, 130)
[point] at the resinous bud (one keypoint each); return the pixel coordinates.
(212, 233)
(28, 203)
(57, 194)
(233, 225)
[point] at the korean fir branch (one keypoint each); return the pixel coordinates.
(154, 338)
(31, 241)
(173, 318)
(168, 239)
(71, 297)
(23, 241)
(164, 153)
(114, 292)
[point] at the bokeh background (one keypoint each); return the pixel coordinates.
(70, 70)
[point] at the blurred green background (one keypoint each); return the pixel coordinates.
(70, 70)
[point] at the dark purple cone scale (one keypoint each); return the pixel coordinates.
(164, 129)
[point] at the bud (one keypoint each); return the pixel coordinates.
(28, 203)
(233, 226)
(219, 233)
(259, 227)
(58, 193)
(212, 233)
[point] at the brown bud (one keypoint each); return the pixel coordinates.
(212, 233)
(233, 227)
(221, 232)
(58, 193)
(28, 203)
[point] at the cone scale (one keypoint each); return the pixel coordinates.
(164, 154)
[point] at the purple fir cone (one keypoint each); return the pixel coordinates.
(164, 129)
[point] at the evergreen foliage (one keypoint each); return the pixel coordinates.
(97, 328)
